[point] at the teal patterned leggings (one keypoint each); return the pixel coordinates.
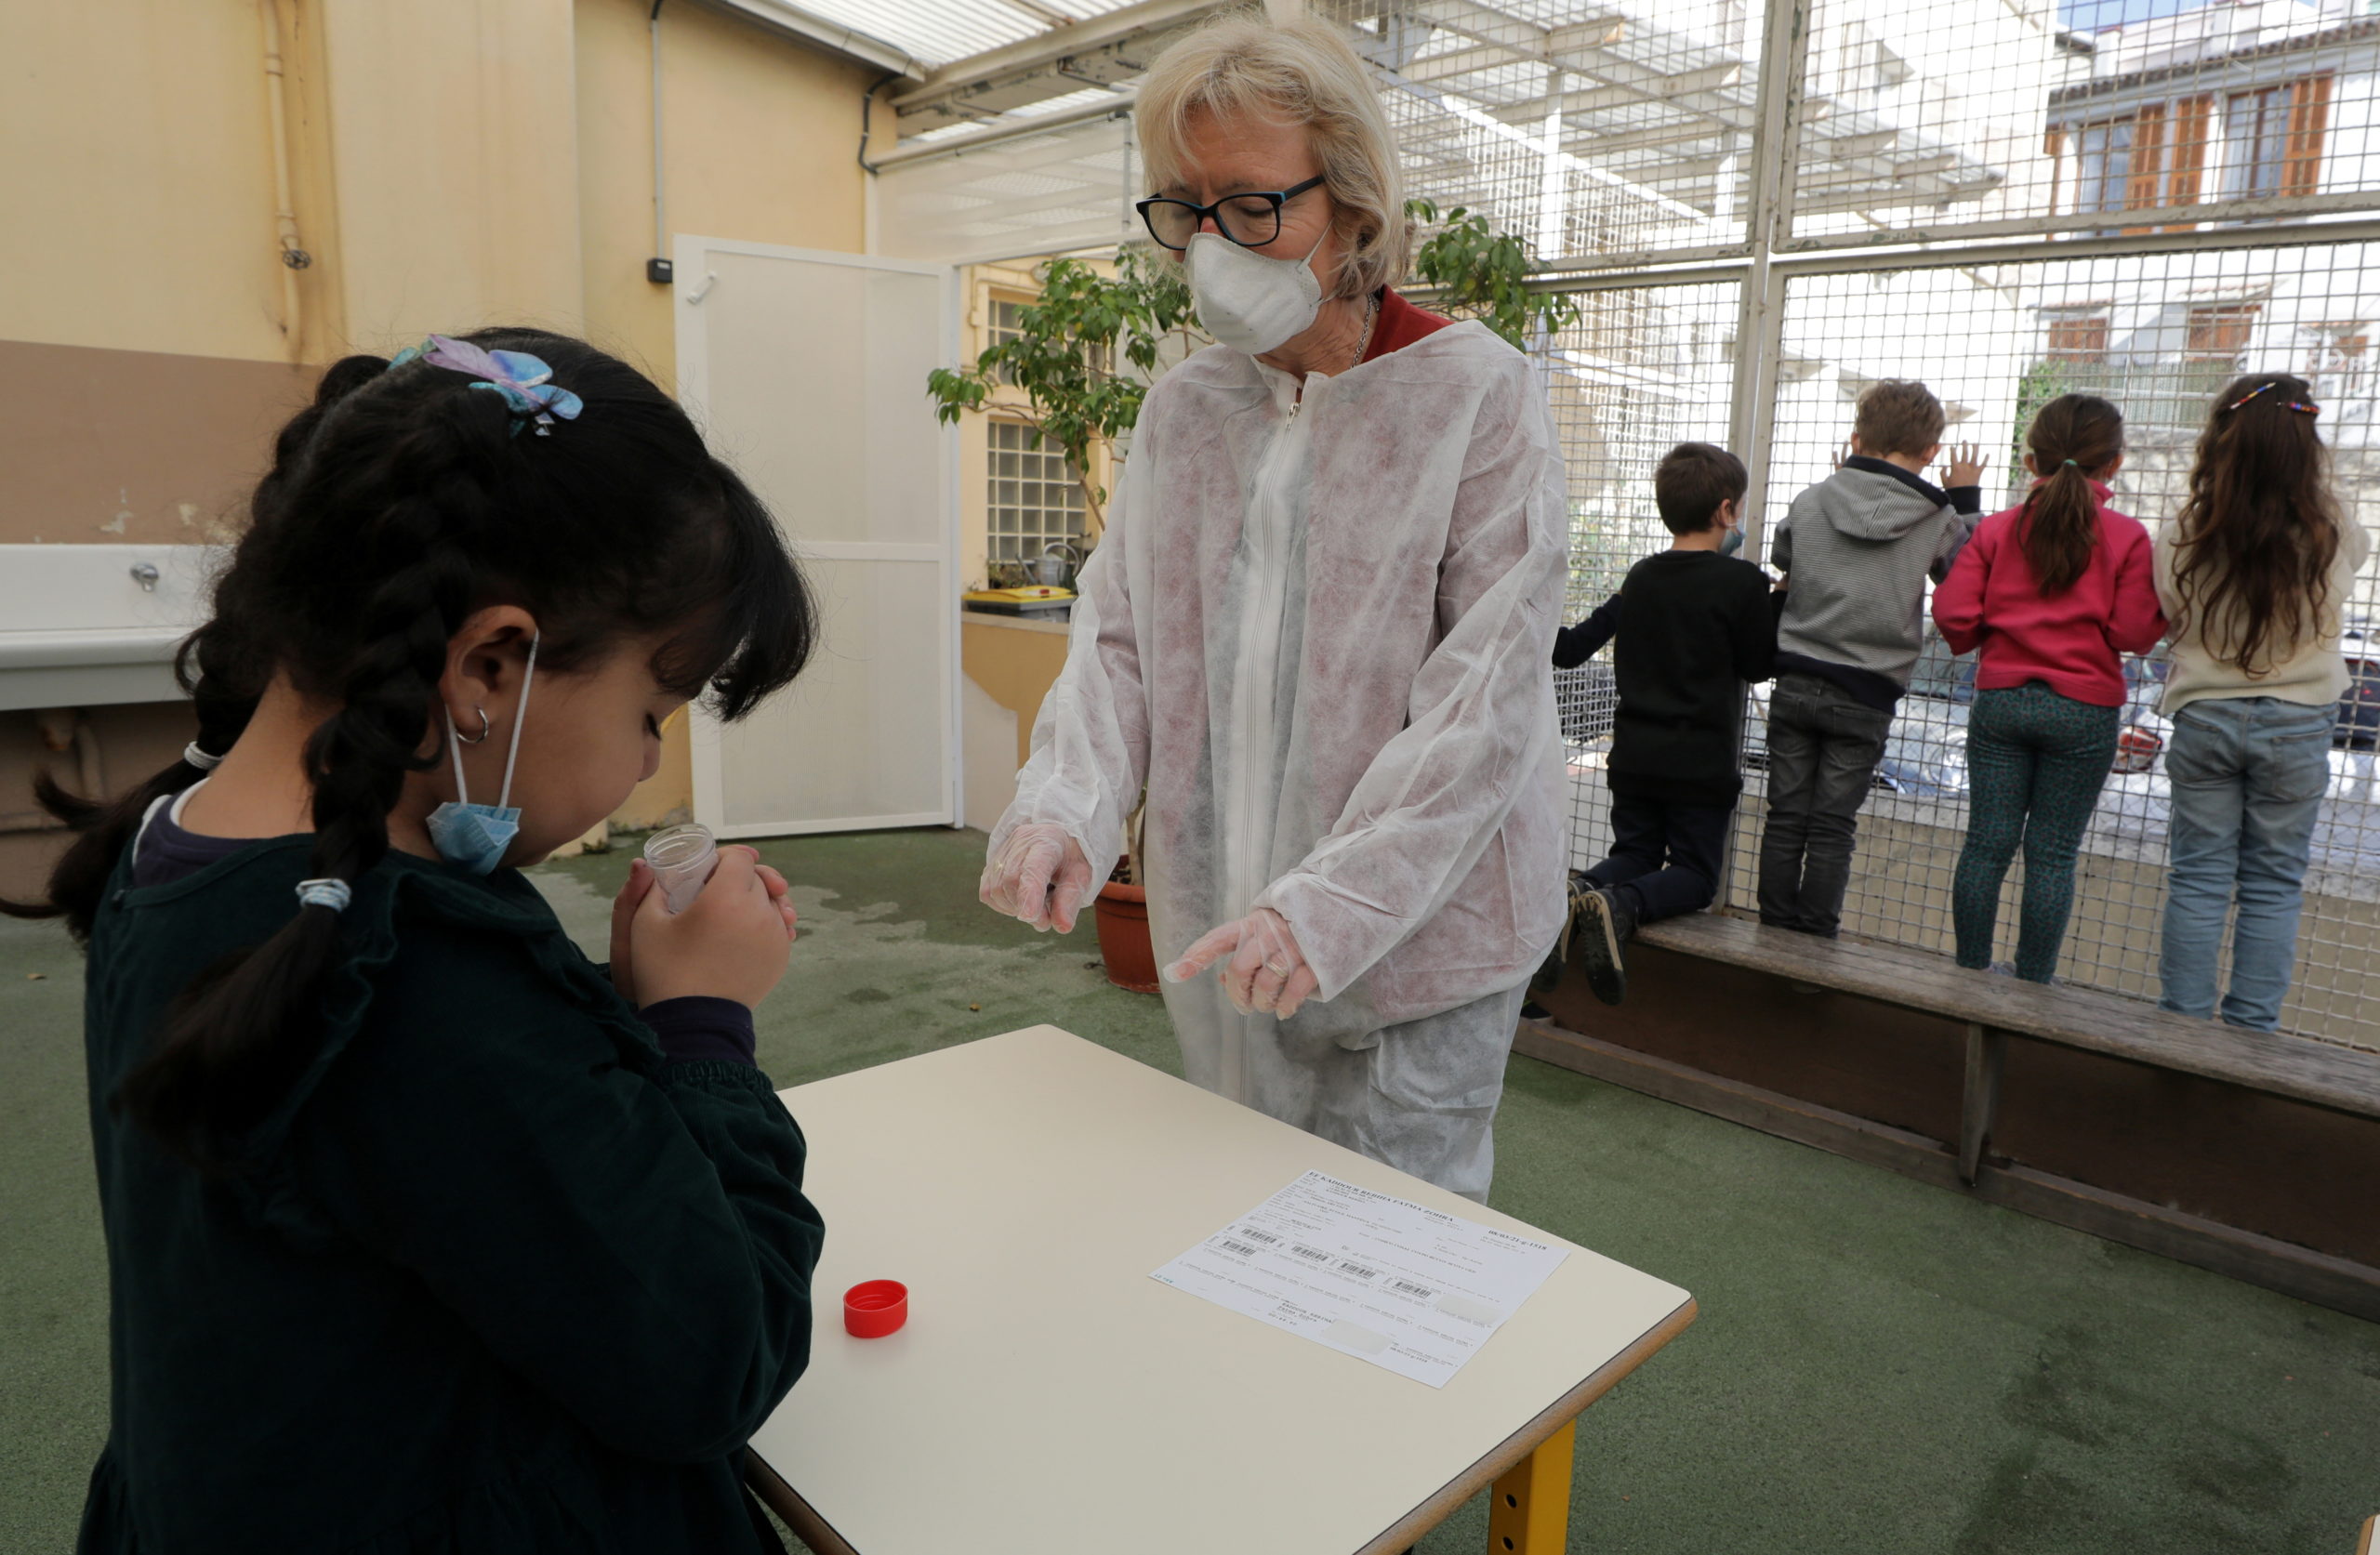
(2036, 762)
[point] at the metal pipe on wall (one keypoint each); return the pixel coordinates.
(660, 191)
(294, 256)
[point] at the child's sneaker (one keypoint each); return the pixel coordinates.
(1601, 924)
(1559, 956)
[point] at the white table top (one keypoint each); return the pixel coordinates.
(1049, 1397)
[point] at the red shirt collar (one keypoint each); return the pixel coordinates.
(1399, 324)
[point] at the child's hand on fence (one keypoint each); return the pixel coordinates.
(1850, 446)
(1967, 465)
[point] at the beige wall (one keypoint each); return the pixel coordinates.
(139, 179)
(454, 162)
(761, 139)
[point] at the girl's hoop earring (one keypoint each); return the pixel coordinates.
(482, 735)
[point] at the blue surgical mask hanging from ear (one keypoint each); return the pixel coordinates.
(1733, 541)
(474, 836)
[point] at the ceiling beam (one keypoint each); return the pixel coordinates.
(790, 21)
(1097, 50)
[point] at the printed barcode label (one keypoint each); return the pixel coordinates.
(1240, 1247)
(1359, 1270)
(1410, 1288)
(1315, 1253)
(1255, 1235)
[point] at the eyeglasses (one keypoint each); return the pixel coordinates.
(2293, 404)
(1250, 221)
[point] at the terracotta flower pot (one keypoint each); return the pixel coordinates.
(1122, 913)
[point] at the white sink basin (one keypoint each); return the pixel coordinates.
(84, 626)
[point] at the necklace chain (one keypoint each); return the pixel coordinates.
(1372, 317)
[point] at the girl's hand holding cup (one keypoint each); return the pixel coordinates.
(731, 942)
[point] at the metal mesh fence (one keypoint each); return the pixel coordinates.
(1588, 131)
(2153, 175)
(2084, 116)
(1995, 342)
(1645, 369)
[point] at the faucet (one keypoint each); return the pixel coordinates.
(145, 574)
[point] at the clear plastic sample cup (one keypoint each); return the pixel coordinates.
(681, 859)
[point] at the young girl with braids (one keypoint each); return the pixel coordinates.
(2053, 591)
(424, 1233)
(2254, 573)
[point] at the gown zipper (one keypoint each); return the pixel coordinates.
(1256, 679)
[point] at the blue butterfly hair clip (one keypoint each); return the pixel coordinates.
(526, 381)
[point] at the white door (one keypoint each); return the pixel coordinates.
(807, 371)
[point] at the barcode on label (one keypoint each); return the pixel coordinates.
(1240, 1247)
(1255, 1235)
(1410, 1288)
(1359, 1270)
(1317, 1254)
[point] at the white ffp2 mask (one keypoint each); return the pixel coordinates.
(1247, 301)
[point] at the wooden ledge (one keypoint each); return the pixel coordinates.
(2300, 1068)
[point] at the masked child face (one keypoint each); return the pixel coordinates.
(589, 733)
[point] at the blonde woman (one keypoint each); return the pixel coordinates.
(1317, 630)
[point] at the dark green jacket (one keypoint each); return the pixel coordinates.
(498, 1277)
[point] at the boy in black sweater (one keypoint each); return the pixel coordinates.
(1694, 626)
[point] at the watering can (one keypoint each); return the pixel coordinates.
(1055, 567)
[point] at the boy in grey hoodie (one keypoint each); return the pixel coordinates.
(1856, 549)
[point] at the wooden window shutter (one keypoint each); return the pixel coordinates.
(2193, 129)
(2141, 186)
(2309, 112)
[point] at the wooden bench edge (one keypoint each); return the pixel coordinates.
(2359, 1097)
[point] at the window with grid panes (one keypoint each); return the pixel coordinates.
(1034, 496)
(1002, 327)
(2272, 139)
(2081, 337)
(2218, 332)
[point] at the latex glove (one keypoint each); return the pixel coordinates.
(1039, 876)
(1266, 974)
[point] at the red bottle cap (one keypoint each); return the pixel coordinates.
(875, 1309)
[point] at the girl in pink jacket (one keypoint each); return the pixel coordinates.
(2053, 591)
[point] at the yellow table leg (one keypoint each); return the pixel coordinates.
(1529, 1510)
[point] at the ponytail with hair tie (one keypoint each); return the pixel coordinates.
(2073, 435)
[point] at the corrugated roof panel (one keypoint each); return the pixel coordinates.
(939, 31)
(934, 31)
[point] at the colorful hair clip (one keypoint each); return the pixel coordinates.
(2293, 404)
(526, 381)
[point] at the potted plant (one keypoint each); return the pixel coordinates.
(1085, 353)
(1121, 915)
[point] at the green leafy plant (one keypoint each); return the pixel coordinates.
(1084, 354)
(1482, 273)
(2042, 382)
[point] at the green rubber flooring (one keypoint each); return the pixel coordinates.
(1878, 1366)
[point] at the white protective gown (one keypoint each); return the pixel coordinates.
(1322, 633)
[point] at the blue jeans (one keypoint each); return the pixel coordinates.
(2248, 774)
